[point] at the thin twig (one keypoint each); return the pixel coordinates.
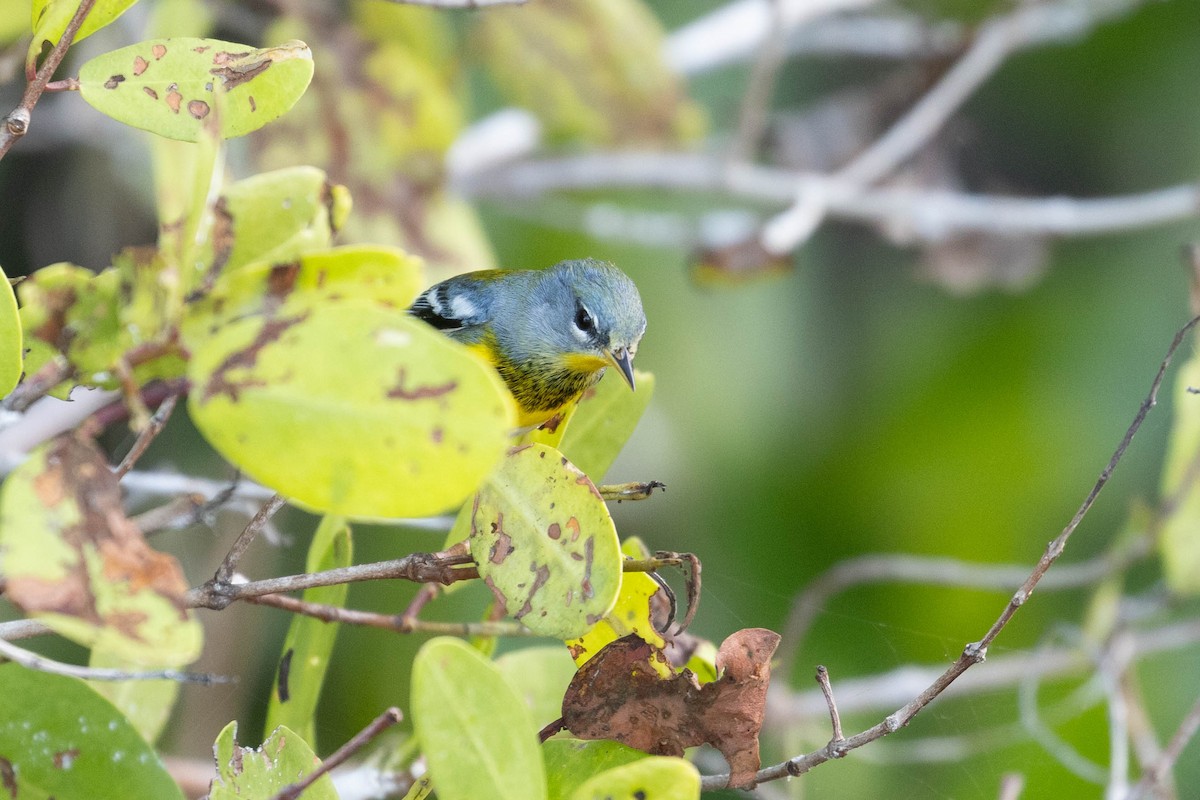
(16, 124)
(398, 623)
(637, 490)
(834, 718)
(153, 427)
(381, 723)
(258, 521)
(976, 652)
(31, 660)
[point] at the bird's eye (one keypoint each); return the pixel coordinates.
(584, 321)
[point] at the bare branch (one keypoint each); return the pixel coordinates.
(834, 718)
(247, 536)
(16, 124)
(147, 434)
(1156, 776)
(398, 623)
(31, 660)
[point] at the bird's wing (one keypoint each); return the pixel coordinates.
(456, 303)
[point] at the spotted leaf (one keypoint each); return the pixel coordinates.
(248, 772)
(175, 87)
(545, 544)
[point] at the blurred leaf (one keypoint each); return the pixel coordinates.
(146, 704)
(1179, 542)
(11, 344)
(74, 561)
(426, 32)
(545, 543)
(51, 17)
(171, 86)
(590, 71)
(604, 421)
(539, 675)
(171, 18)
(630, 614)
(349, 407)
(246, 773)
(571, 762)
(652, 778)
(186, 174)
(309, 642)
(14, 23)
(475, 733)
(58, 738)
(275, 217)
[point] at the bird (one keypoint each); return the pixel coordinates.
(550, 333)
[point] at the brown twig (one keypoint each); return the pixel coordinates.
(834, 718)
(976, 652)
(398, 623)
(31, 660)
(377, 726)
(1157, 775)
(16, 124)
(224, 572)
(154, 425)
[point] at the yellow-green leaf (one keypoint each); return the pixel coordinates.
(349, 407)
(545, 543)
(630, 614)
(51, 17)
(475, 734)
(172, 87)
(651, 778)
(1179, 542)
(540, 675)
(309, 641)
(571, 762)
(604, 421)
(11, 342)
(248, 773)
(73, 560)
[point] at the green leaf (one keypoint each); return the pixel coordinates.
(604, 421)
(11, 344)
(185, 174)
(58, 738)
(651, 778)
(171, 86)
(309, 641)
(74, 561)
(630, 614)
(146, 704)
(349, 407)
(75, 311)
(571, 762)
(246, 773)
(475, 733)
(589, 71)
(540, 675)
(51, 17)
(1179, 543)
(275, 217)
(545, 543)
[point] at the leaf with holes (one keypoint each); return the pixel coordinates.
(249, 773)
(475, 733)
(630, 614)
(175, 87)
(545, 543)
(58, 738)
(349, 407)
(72, 559)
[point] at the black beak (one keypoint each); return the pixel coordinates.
(622, 360)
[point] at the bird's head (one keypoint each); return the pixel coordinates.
(598, 318)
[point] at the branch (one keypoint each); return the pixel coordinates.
(976, 652)
(1157, 775)
(381, 723)
(16, 124)
(398, 623)
(31, 660)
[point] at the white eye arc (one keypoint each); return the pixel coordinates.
(583, 319)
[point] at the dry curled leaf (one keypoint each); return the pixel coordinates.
(620, 695)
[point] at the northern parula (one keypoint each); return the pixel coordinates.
(549, 333)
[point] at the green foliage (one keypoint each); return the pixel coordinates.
(176, 87)
(145, 703)
(309, 642)
(58, 738)
(540, 676)
(652, 778)
(474, 731)
(246, 773)
(11, 356)
(570, 763)
(51, 17)
(1178, 542)
(545, 543)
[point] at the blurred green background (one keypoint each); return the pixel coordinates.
(847, 406)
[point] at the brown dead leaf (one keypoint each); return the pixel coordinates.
(619, 695)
